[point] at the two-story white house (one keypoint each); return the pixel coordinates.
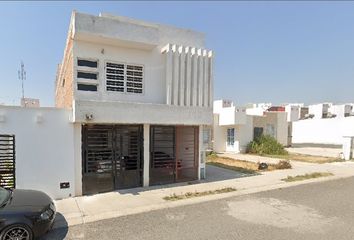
(140, 94)
(133, 108)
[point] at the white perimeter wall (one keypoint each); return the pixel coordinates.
(322, 131)
(44, 148)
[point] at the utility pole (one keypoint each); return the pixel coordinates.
(22, 77)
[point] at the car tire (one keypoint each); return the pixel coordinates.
(22, 229)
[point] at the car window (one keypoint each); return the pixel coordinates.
(4, 195)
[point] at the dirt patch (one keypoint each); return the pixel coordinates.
(306, 158)
(244, 166)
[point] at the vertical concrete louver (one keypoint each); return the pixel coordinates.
(189, 77)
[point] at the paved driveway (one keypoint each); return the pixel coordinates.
(313, 211)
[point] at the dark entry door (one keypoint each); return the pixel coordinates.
(111, 157)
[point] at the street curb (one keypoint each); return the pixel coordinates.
(82, 219)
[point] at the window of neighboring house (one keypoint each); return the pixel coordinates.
(230, 137)
(270, 130)
(63, 83)
(87, 87)
(124, 78)
(87, 63)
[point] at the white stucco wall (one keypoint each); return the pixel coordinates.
(243, 135)
(154, 82)
(44, 148)
(282, 128)
(322, 131)
(293, 113)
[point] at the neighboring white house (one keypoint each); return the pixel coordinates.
(341, 110)
(318, 111)
(257, 109)
(134, 101)
(326, 124)
(293, 111)
(233, 128)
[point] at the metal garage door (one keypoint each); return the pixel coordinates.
(174, 154)
(112, 157)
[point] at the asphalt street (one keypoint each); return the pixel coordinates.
(313, 211)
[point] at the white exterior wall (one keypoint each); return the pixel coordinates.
(232, 116)
(319, 109)
(219, 135)
(293, 113)
(218, 105)
(154, 83)
(340, 110)
(322, 131)
(255, 111)
(44, 148)
(243, 135)
(282, 128)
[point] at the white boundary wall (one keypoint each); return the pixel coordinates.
(322, 131)
(44, 148)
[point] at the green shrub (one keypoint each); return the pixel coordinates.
(266, 144)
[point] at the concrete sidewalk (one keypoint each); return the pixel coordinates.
(85, 209)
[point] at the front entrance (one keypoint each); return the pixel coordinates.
(174, 154)
(112, 157)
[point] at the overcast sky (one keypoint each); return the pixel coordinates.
(264, 51)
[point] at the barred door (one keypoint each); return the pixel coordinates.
(112, 157)
(7, 161)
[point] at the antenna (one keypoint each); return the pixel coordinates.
(22, 77)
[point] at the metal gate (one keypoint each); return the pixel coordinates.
(7, 161)
(112, 157)
(174, 154)
(162, 157)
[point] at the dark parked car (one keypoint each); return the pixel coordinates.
(25, 214)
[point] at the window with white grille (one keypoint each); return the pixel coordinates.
(124, 78)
